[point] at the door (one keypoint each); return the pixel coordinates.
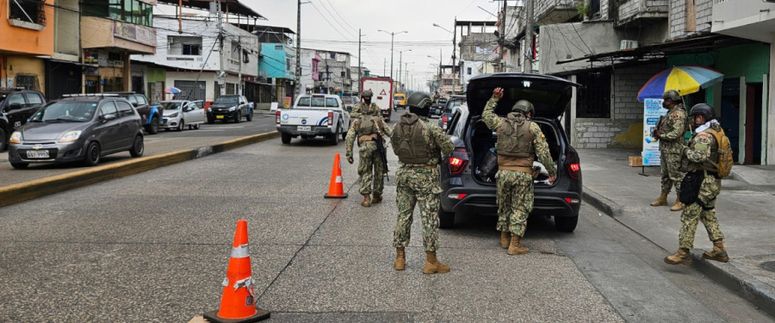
(128, 124)
(108, 132)
(730, 112)
(15, 109)
(753, 124)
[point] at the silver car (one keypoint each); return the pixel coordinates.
(179, 114)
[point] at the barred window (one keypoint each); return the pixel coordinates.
(28, 11)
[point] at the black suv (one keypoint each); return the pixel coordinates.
(150, 114)
(468, 188)
(16, 106)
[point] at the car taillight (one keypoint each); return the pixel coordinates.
(444, 120)
(458, 161)
(330, 118)
(458, 196)
(573, 164)
(277, 117)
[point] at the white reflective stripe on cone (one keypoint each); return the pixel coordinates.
(339, 179)
(240, 252)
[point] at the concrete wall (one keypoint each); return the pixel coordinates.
(478, 47)
(11, 66)
(24, 37)
(703, 10)
(574, 40)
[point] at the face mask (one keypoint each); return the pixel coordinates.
(665, 104)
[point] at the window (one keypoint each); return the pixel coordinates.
(331, 103)
(132, 99)
(141, 99)
(124, 108)
(343, 74)
(594, 99)
(333, 55)
(192, 49)
(33, 98)
(131, 11)
(468, 70)
(278, 47)
(15, 99)
(28, 82)
(108, 108)
(28, 11)
(235, 49)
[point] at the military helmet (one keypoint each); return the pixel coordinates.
(367, 94)
(704, 110)
(523, 106)
(672, 95)
(419, 100)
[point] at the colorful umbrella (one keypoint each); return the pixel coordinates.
(172, 90)
(684, 79)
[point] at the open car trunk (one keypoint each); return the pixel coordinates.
(484, 158)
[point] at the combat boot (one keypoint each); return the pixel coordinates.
(504, 241)
(515, 248)
(432, 265)
(376, 199)
(400, 262)
(661, 200)
(677, 206)
(366, 201)
(719, 253)
(679, 257)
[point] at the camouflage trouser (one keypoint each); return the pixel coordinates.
(671, 171)
(696, 212)
(515, 201)
(370, 169)
(417, 186)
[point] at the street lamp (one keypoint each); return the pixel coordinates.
(392, 36)
(445, 29)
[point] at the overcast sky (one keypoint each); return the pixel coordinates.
(333, 24)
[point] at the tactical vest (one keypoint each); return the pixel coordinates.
(515, 144)
(710, 164)
(409, 142)
(367, 126)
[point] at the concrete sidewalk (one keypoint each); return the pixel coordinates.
(744, 208)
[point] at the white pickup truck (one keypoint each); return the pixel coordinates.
(315, 115)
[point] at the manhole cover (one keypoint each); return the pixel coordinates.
(770, 265)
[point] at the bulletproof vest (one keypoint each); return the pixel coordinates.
(515, 141)
(409, 143)
(368, 126)
(710, 164)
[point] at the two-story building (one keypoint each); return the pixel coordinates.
(478, 48)
(26, 34)
(325, 71)
(277, 65)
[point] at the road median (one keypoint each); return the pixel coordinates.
(25, 191)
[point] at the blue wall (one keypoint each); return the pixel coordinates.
(273, 61)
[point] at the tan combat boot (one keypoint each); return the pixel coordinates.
(376, 199)
(366, 201)
(661, 200)
(515, 248)
(679, 257)
(432, 265)
(400, 262)
(504, 241)
(677, 206)
(719, 253)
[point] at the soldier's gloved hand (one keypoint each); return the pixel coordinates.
(552, 179)
(350, 159)
(497, 93)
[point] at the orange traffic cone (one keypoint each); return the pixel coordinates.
(335, 185)
(238, 301)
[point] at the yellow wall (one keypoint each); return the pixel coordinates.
(23, 40)
(14, 65)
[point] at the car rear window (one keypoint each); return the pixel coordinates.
(318, 102)
(227, 100)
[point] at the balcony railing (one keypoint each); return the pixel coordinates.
(633, 10)
(555, 11)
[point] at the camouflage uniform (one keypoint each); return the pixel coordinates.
(698, 157)
(362, 108)
(370, 167)
(419, 183)
(671, 145)
(515, 188)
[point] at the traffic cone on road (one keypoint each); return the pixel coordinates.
(238, 301)
(335, 185)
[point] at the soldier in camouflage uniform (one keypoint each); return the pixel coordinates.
(368, 128)
(366, 106)
(702, 156)
(419, 145)
(519, 140)
(670, 133)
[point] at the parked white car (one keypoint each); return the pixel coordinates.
(316, 115)
(179, 114)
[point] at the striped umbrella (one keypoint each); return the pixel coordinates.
(684, 79)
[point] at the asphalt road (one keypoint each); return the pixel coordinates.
(154, 247)
(163, 142)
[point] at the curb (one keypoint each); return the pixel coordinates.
(745, 285)
(20, 192)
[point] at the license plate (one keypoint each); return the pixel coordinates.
(37, 154)
(219, 117)
(304, 128)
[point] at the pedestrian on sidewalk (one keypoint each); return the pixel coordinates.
(670, 133)
(702, 185)
(368, 128)
(519, 141)
(419, 145)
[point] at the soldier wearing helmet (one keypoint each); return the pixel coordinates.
(701, 160)
(670, 133)
(419, 145)
(519, 142)
(365, 106)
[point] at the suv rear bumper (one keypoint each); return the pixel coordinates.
(314, 130)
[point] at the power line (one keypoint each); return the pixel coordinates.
(340, 16)
(334, 17)
(327, 21)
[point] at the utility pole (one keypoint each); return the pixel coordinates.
(502, 36)
(298, 47)
(359, 61)
(221, 83)
(400, 59)
(530, 37)
(392, 35)
(384, 66)
(239, 73)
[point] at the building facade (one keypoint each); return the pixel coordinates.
(26, 35)
(325, 71)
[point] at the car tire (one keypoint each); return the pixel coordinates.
(333, 139)
(181, 125)
(196, 126)
(238, 117)
(153, 128)
(446, 219)
(249, 117)
(210, 121)
(138, 147)
(566, 224)
(93, 154)
(286, 138)
(344, 133)
(3, 140)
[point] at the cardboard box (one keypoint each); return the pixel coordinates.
(636, 161)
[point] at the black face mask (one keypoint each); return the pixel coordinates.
(367, 101)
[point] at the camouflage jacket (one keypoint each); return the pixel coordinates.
(441, 145)
(699, 155)
(493, 121)
(352, 133)
(362, 108)
(671, 130)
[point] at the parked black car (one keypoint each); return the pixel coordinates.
(438, 107)
(151, 114)
(230, 107)
(16, 106)
(465, 186)
(78, 128)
